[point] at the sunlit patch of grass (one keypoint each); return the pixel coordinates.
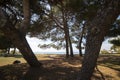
(110, 60)
(113, 66)
(10, 60)
(57, 67)
(107, 73)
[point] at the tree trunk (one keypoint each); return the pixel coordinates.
(65, 30)
(79, 44)
(67, 46)
(18, 36)
(97, 29)
(68, 42)
(8, 50)
(71, 48)
(80, 40)
(14, 51)
(19, 40)
(80, 47)
(27, 15)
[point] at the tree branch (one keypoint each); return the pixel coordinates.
(26, 21)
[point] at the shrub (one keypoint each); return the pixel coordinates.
(104, 52)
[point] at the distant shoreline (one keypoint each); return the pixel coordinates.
(53, 52)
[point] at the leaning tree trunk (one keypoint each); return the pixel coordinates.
(98, 28)
(19, 40)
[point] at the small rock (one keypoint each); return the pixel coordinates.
(17, 62)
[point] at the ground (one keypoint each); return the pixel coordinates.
(57, 67)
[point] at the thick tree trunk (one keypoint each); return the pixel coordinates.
(18, 37)
(19, 40)
(98, 28)
(27, 15)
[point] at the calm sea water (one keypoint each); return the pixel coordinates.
(52, 52)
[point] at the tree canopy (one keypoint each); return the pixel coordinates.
(62, 21)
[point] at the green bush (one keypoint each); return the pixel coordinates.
(104, 52)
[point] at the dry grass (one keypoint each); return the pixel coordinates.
(56, 67)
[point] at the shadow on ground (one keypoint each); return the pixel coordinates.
(11, 55)
(55, 69)
(55, 73)
(45, 73)
(110, 61)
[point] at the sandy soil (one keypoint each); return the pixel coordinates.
(56, 67)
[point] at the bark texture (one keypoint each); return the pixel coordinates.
(26, 21)
(19, 40)
(97, 29)
(18, 36)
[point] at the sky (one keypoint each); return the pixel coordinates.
(34, 42)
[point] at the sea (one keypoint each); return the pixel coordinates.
(53, 52)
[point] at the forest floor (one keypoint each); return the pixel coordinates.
(57, 67)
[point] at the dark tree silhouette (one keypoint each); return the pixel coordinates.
(97, 30)
(17, 36)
